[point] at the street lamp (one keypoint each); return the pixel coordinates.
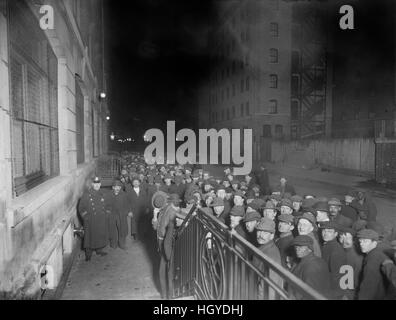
(112, 136)
(102, 95)
(107, 118)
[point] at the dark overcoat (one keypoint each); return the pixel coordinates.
(138, 204)
(94, 212)
(119, 208)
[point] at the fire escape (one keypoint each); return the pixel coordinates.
(308, 74)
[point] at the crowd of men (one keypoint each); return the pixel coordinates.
(336, 246)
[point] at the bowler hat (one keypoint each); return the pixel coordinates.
(266, 224)
(368, 234)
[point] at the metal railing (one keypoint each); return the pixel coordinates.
(211, 262)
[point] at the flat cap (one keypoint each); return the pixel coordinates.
(288, 218)
(276, 196)
(269, 205)
(117, 183)
(239, 193)
(334, 202)
(330, 225)
(303, 240)
(376, 226)
(368, 234)
(256, 204)
(296, 198)
(287, 203)
(237, 211)
(308, 216)
(266, 224)
(252, 216)
(321, 206)
(345, 229)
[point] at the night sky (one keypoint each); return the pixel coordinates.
(156, 57)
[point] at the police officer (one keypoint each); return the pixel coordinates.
(94, 213)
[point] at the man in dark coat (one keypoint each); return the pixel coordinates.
(265, 238)
(374, 284)
(138, 201)
(310, 269)
(94, 213)
(119, 209)
(165, 231)
(334, 255)
(263, 180)
(285, 240)
(365, 206)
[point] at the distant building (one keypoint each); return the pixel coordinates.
(52, 126)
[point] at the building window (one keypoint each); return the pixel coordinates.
(294, 110)
(222, 94)
(233, 67)
(267, 131)
(279, 131)
(233, 89)
(273, 81)
(228, 72)
(295, 85)
(228, 92)
(273, 55)
(233, 112)
(247, 109)
(274, 30)
(34, 101)
(242, 110)
(222, 115)
(233, 45)
(273, 106)
(79, 122)
(242, 84)
(247, 83)
(228, 114)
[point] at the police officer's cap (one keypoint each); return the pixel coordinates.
(96, 180)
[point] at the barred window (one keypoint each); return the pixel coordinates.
(34, 101)
(273, 55)
(273, 81)
(267, 131)
(274, 29)
(273, 106)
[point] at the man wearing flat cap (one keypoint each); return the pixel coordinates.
(269, 210)
(373, 285)
(265, 238)
(251, 219)
(218, 208)
(286, 206)
(94, 212)
(284, 242)
(119, 210)
(236, 215)
(354, 258)
(297, 205)
(334, 208)
(306, 225)
(334, 255)
(310, 268)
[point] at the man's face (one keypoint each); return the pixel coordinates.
(263, 237)
(188, 179)
(284, 227)
(234, 221)
(226, 183)
(221, 193)
(346, 240)
(136, 183)
(116, 189)
(208, 201)
(334, 210)
(230, 177)
(304, 227)
(198, 196)
(269, 213)
(302, 251)
(218, 210)
(282, 181)
(235, 186)
(168, 181)
(296, 205)
(250, 225)
(329, 234)
(348, 199)
(286, 210)
(238, 200)
(248, 178)
(207, 187)
(206, 176)
(96, 186)
(366, 245)
(322, 216)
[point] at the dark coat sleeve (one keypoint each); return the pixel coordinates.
(389, 270)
